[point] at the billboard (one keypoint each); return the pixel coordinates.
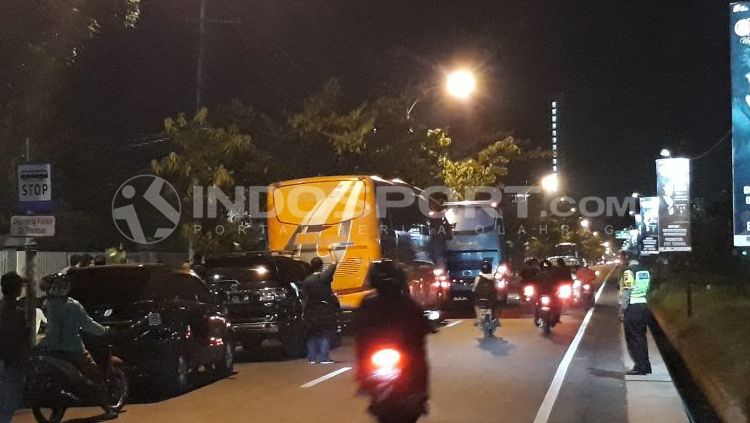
(673, 193)
(649, 225)
(739, 19)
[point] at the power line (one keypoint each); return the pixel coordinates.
(715, 146)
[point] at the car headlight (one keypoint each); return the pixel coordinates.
(271, 294)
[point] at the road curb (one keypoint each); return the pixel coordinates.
(728, 408)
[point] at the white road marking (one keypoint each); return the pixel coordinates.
(451, 324)
(542, 416)
(324, 378)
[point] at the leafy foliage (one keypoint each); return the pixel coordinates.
(210, 156)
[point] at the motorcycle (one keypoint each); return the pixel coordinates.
(56, 385)
(387, 381)
(487, 321)
(583, 294)
(547, 306)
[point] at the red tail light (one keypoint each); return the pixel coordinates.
(528, 290)
(386, 358)
(565, 291)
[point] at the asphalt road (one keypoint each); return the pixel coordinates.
(472, 380)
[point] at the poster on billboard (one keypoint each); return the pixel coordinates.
(740, 62)
(673, 193)
(649, 225)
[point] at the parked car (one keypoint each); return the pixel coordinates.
(164, 324)
(263, 295)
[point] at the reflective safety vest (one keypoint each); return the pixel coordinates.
(638, 281)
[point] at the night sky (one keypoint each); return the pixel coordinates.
(636, 76)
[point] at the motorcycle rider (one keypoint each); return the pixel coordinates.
(562, 270)
(549, 279)
(531, 270)
(387, 316)
(14, 348)
(485, 289)
(66, 319)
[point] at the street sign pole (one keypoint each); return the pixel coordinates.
(34, 195)
(31, 292)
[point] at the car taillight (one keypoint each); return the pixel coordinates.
(445, 284)
(587, 287)
(528, 290)
(386, 358)
(565, 291)
(545, 300)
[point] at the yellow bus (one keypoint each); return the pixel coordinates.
(353, 220)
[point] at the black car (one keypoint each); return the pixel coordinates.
(164, 323)
(263, 294)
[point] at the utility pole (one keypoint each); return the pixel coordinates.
(202, 31)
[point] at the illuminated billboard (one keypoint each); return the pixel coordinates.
(649, 225)
(673, 193)
(739, 19)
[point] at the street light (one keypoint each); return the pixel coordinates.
(585, 223)
(461, 83)
(550, 183)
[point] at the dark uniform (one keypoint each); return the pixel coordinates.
(635, 281)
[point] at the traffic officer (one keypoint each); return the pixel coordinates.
(635, 280)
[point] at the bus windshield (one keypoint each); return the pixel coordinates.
(320, 203)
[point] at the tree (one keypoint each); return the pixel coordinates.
(377, 138)
(41, 39)
(212, 157)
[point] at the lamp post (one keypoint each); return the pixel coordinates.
(460, 84)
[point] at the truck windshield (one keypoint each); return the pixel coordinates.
(475, 219)
(460, 261)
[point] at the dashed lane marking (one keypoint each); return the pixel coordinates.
(324, 378)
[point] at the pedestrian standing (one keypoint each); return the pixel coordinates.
(635, 280)
(321, 311)
(14, 347)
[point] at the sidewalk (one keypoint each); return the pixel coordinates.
(652, 398)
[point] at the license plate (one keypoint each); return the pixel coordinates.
(460, 299)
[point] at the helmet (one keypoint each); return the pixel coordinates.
(57, 285)
(486, 267)
(387, 277)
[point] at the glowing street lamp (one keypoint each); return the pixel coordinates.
(550, 183)
(461, 83)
